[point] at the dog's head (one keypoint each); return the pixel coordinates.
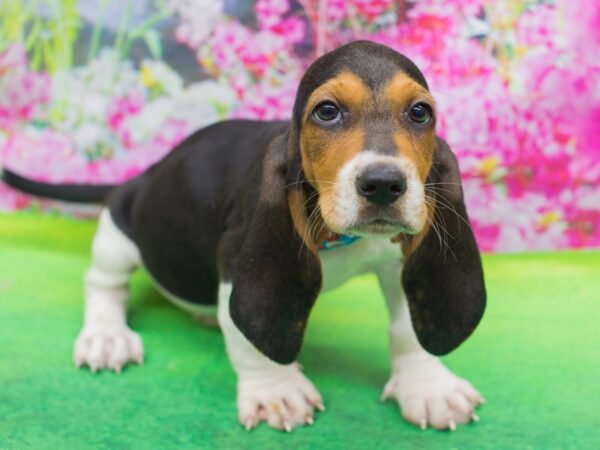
(361, 157)
(364, 133)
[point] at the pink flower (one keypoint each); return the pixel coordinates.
(291, 29)
(372, 8)
(270, 12)
(12, 58)
(11, 199)
(268, 103)
(22, 92)
(171, 133)
(123, 107)
(271, 7)
(538, 26)
(336, 9)
(42, 155)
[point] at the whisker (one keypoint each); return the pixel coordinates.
(431, 220)
(298, 181)
(441, 224)
(312, 222)
(436, 183)
(436, 189)
(453, 210)
(446, 203)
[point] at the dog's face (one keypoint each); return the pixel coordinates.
(366, 139)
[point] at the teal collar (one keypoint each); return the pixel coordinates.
(338, 240)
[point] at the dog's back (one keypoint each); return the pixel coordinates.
(197, 180)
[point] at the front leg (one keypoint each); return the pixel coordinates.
(105, 341)
(278, 394)
(426, 391)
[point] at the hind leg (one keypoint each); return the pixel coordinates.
(106, 342)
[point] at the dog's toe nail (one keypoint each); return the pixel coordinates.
(287, 426)
(475, 417)
(321, 406)
(248, 425)
(309, 420)
(423, 423)
(452, 425)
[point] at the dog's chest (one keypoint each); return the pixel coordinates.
(362, 256)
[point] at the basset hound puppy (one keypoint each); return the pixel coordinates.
(239, 220)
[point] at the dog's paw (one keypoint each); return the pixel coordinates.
(284, 399)
(101, 348)
(430, 395)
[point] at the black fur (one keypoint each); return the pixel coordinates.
(443, 277)
(78, 193)
(178, 210)
(277, 279)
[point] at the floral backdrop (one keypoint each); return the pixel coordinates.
(94, 91)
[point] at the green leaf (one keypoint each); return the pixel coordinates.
(152, 40)
(33, 35)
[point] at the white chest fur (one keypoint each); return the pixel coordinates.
(342, 263)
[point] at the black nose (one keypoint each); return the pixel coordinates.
(381, 184)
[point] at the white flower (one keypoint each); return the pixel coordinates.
(88, 136)
(198, 18)
(145, 124)
(157, 73)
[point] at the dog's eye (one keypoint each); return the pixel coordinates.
(420, 113)
(326, 112)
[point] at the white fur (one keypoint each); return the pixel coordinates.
(279, 394)
(348, 203)
(427, 392)
(105, 340)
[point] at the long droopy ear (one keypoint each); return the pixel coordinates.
(443, 276)
(278, 276)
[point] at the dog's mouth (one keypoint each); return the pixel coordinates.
(380, 227)
(375, 222)
(384, 222)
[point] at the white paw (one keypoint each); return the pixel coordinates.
(284, 399)
(429, 394)
(102, 348)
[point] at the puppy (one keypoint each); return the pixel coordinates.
(241, 221)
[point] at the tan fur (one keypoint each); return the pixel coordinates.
(410, 244)
(400, 92)
(325, 151)
(297, 206)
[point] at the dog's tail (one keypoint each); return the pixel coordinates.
(77, 193)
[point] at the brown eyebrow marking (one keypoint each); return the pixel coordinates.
(402, 89)
(345, 88)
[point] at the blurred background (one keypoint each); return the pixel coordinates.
(94, 91)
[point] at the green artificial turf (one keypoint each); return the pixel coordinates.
(536, 359)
